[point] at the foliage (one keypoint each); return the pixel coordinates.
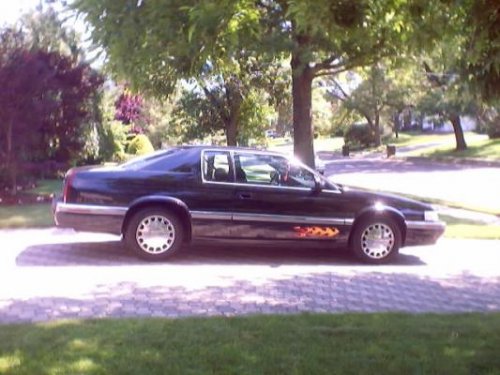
(44, 103)
(154, 44)
(44, 30)
(159, 116)
(233, 100)
(359, 135)
(140, 145)
(480, 58)
(378, 94)
(491, 119)
(129, 110)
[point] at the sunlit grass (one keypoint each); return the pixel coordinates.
(485, 149)
(283, 344)
(330, 144)
(411, 139)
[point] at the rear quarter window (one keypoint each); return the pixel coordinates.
(175, 160)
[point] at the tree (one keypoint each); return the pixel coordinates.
(129, 110)
(379, 94)
(480, 57)
(368, 99)
(221, 107)
(156, 43)
(42, 104)
(45, 31)
(448, 98)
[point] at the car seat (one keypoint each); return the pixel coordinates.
(220, 174)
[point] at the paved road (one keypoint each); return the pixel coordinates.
(52, 274)
(469, 184)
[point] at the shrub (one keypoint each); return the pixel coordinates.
(140, 145)
(493, 128)
(359, 135)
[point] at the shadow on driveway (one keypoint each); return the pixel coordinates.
(314, 292)
(114, 253)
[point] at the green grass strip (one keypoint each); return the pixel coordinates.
(26, 216)
(297, 344)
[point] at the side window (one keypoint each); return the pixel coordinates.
(215, 166)
(265, 169)
(255, 168)
(301, 177)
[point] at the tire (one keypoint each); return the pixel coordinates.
(154, 234)
(376, 240)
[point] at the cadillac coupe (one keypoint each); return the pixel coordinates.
(162, 201)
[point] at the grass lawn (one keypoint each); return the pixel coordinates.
(410, 139)
(320, 144)
(443, 202)
(296, 344)
(47, 187)
(35, 215)
(462, 228)
(486, 149)
(26, 216)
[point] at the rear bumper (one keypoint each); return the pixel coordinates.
(88, 218)
(423, 232)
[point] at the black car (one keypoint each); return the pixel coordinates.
(161, 201)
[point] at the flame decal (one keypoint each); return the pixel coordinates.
(327, 232)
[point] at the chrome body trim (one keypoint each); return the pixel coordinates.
(429, 225)
(204, 215)
(86, 209)
(288, 219)
(207, 215)
(82, 209)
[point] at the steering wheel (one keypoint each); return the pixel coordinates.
(275, 178)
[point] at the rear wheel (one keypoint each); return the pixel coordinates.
(376, 240)
(154, 234)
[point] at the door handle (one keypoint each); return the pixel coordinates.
(245, 195)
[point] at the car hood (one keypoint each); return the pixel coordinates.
(385, 199)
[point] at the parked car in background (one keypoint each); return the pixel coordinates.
(164, 200)
(270, 134)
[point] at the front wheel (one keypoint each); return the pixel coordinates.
(154, 234)
(376, 240)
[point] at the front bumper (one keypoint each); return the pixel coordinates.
(423, 232)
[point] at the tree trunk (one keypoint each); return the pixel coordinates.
(11, 165)
(459, 133)
(397, 123)
(302, 78)
(378, 133)
(232, 132)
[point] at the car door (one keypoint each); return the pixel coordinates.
(276, 198)
(211, 203)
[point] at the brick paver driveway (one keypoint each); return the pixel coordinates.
(52, 274)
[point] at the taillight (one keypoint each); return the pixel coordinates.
(68, 180)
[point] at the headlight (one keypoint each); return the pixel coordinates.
(431, 216)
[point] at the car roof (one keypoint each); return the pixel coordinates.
(227, 148)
